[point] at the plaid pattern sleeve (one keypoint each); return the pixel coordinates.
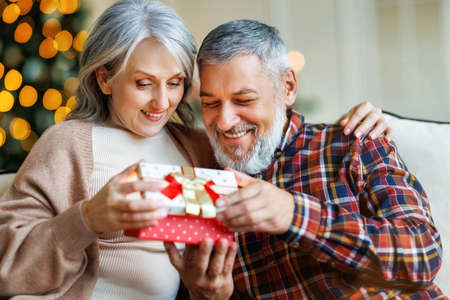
(361, 228)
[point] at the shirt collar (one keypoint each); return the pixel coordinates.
(296, 121)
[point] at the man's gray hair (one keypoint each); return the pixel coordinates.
(248, 37)
(113, 38)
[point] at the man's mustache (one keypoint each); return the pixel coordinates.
(235, 129)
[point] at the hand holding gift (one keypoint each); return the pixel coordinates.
(112, 209)
(189, 199)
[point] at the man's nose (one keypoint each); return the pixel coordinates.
(228, 117)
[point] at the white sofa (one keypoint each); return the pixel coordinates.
(425, 147)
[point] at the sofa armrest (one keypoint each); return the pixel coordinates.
(5, 181)
(425, 148)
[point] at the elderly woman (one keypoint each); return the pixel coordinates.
(62, 221)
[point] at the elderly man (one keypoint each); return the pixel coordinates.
(324, 215)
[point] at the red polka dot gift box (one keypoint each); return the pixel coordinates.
(189, 199)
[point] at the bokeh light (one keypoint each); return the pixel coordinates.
(23, 32)
(51, 27)
(13, 80)
(2, 137)
(34, 70)
(61, 114)
(29, 142)
(28, 96)
(13, 55)
(80, 38)
(6, 101)
(63, 40)
(52, 99)
(47, 49)
(48, 6)
(11, 13)
(19, 129)
(25, 6)
(70, 86)
(297, 60)
(2, 70)
(68, 6)
(71, 102)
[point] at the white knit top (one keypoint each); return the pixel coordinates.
(131, 268)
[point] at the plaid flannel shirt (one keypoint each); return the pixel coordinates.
(361, 228)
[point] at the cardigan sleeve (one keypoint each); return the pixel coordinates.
(43, 237)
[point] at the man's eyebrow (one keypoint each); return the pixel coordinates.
(245, 91)
(242, 91)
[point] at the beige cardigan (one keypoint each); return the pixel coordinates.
(46, 250)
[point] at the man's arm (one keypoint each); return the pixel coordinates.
(384, 233)
(387, 236)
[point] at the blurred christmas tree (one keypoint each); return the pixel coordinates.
(40, 43)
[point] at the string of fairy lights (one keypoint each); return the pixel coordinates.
(39, 46)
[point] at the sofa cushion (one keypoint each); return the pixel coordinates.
(425, 148)
(5, 181)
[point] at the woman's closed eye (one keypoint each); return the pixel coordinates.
(143, 83)
(175, 83)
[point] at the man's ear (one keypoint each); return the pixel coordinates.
(289, 87)
(102, 76)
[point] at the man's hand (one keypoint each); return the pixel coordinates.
(367, 119)
(259, 206)
(206, 275)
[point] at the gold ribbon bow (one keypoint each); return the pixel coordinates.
(195, 195)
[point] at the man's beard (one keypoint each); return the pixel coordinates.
(261, 153)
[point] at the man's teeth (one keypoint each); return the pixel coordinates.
(152, 115)
(234, 135)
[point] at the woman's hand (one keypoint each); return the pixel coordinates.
(110, 210)
(367, 119)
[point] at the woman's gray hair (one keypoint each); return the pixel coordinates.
(113, 38)
(248, 37)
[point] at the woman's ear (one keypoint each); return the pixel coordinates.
(103, 82)
(290, 87)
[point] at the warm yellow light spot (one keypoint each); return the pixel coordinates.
(71, 102)
(47, 49)
(2, 70)
(63, 40)
(29, 142)
(12, 0)
(6, 101)
(2, 137)
(13, 80)
(79, 40)
(11, 13)
(23, 32)
(28, 96)
(19, 129)
(51, 27)
(52, 99)
(25, 6)
(297, 60)
(70, 86)
(61, 114)
(68, 6)
(48, 6)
